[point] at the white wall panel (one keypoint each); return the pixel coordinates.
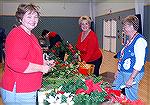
(104, 8)
(51, 9)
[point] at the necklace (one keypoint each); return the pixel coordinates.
(84, 35)
(129, 42)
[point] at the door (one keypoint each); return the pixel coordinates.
(109, 36)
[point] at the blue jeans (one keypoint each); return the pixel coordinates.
(122, 78)
(13, 98)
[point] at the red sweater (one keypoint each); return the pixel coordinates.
(21, 49)
(89, 47)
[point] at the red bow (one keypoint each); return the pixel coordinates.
(90, 87)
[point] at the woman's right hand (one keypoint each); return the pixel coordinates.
(45, 69)
(48, 64)
(37, 68)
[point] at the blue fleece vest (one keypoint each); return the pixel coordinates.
(127, 62)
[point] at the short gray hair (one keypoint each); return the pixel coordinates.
(132, 20)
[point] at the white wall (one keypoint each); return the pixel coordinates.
(71, 8)
(1, 8)
(51, 9)
(104, 7)
(65, 9)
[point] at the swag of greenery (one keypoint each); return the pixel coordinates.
(65, 86)
(83, 90)
(79, 90)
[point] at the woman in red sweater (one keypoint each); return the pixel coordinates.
(87, 44)
(24, 64)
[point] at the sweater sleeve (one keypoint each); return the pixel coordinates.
(140, 50)
(17, 47)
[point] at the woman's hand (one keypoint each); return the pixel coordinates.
(129, 83)
(48, 64)
(83, 62)
(51, 63)
(45, 69)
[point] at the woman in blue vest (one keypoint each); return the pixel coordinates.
(131, 60)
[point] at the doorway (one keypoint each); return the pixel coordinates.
(109, 36)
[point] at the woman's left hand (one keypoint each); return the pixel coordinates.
(129, 83)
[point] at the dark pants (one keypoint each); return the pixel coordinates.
(97, 64)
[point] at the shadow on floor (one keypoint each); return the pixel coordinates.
(108, 77)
